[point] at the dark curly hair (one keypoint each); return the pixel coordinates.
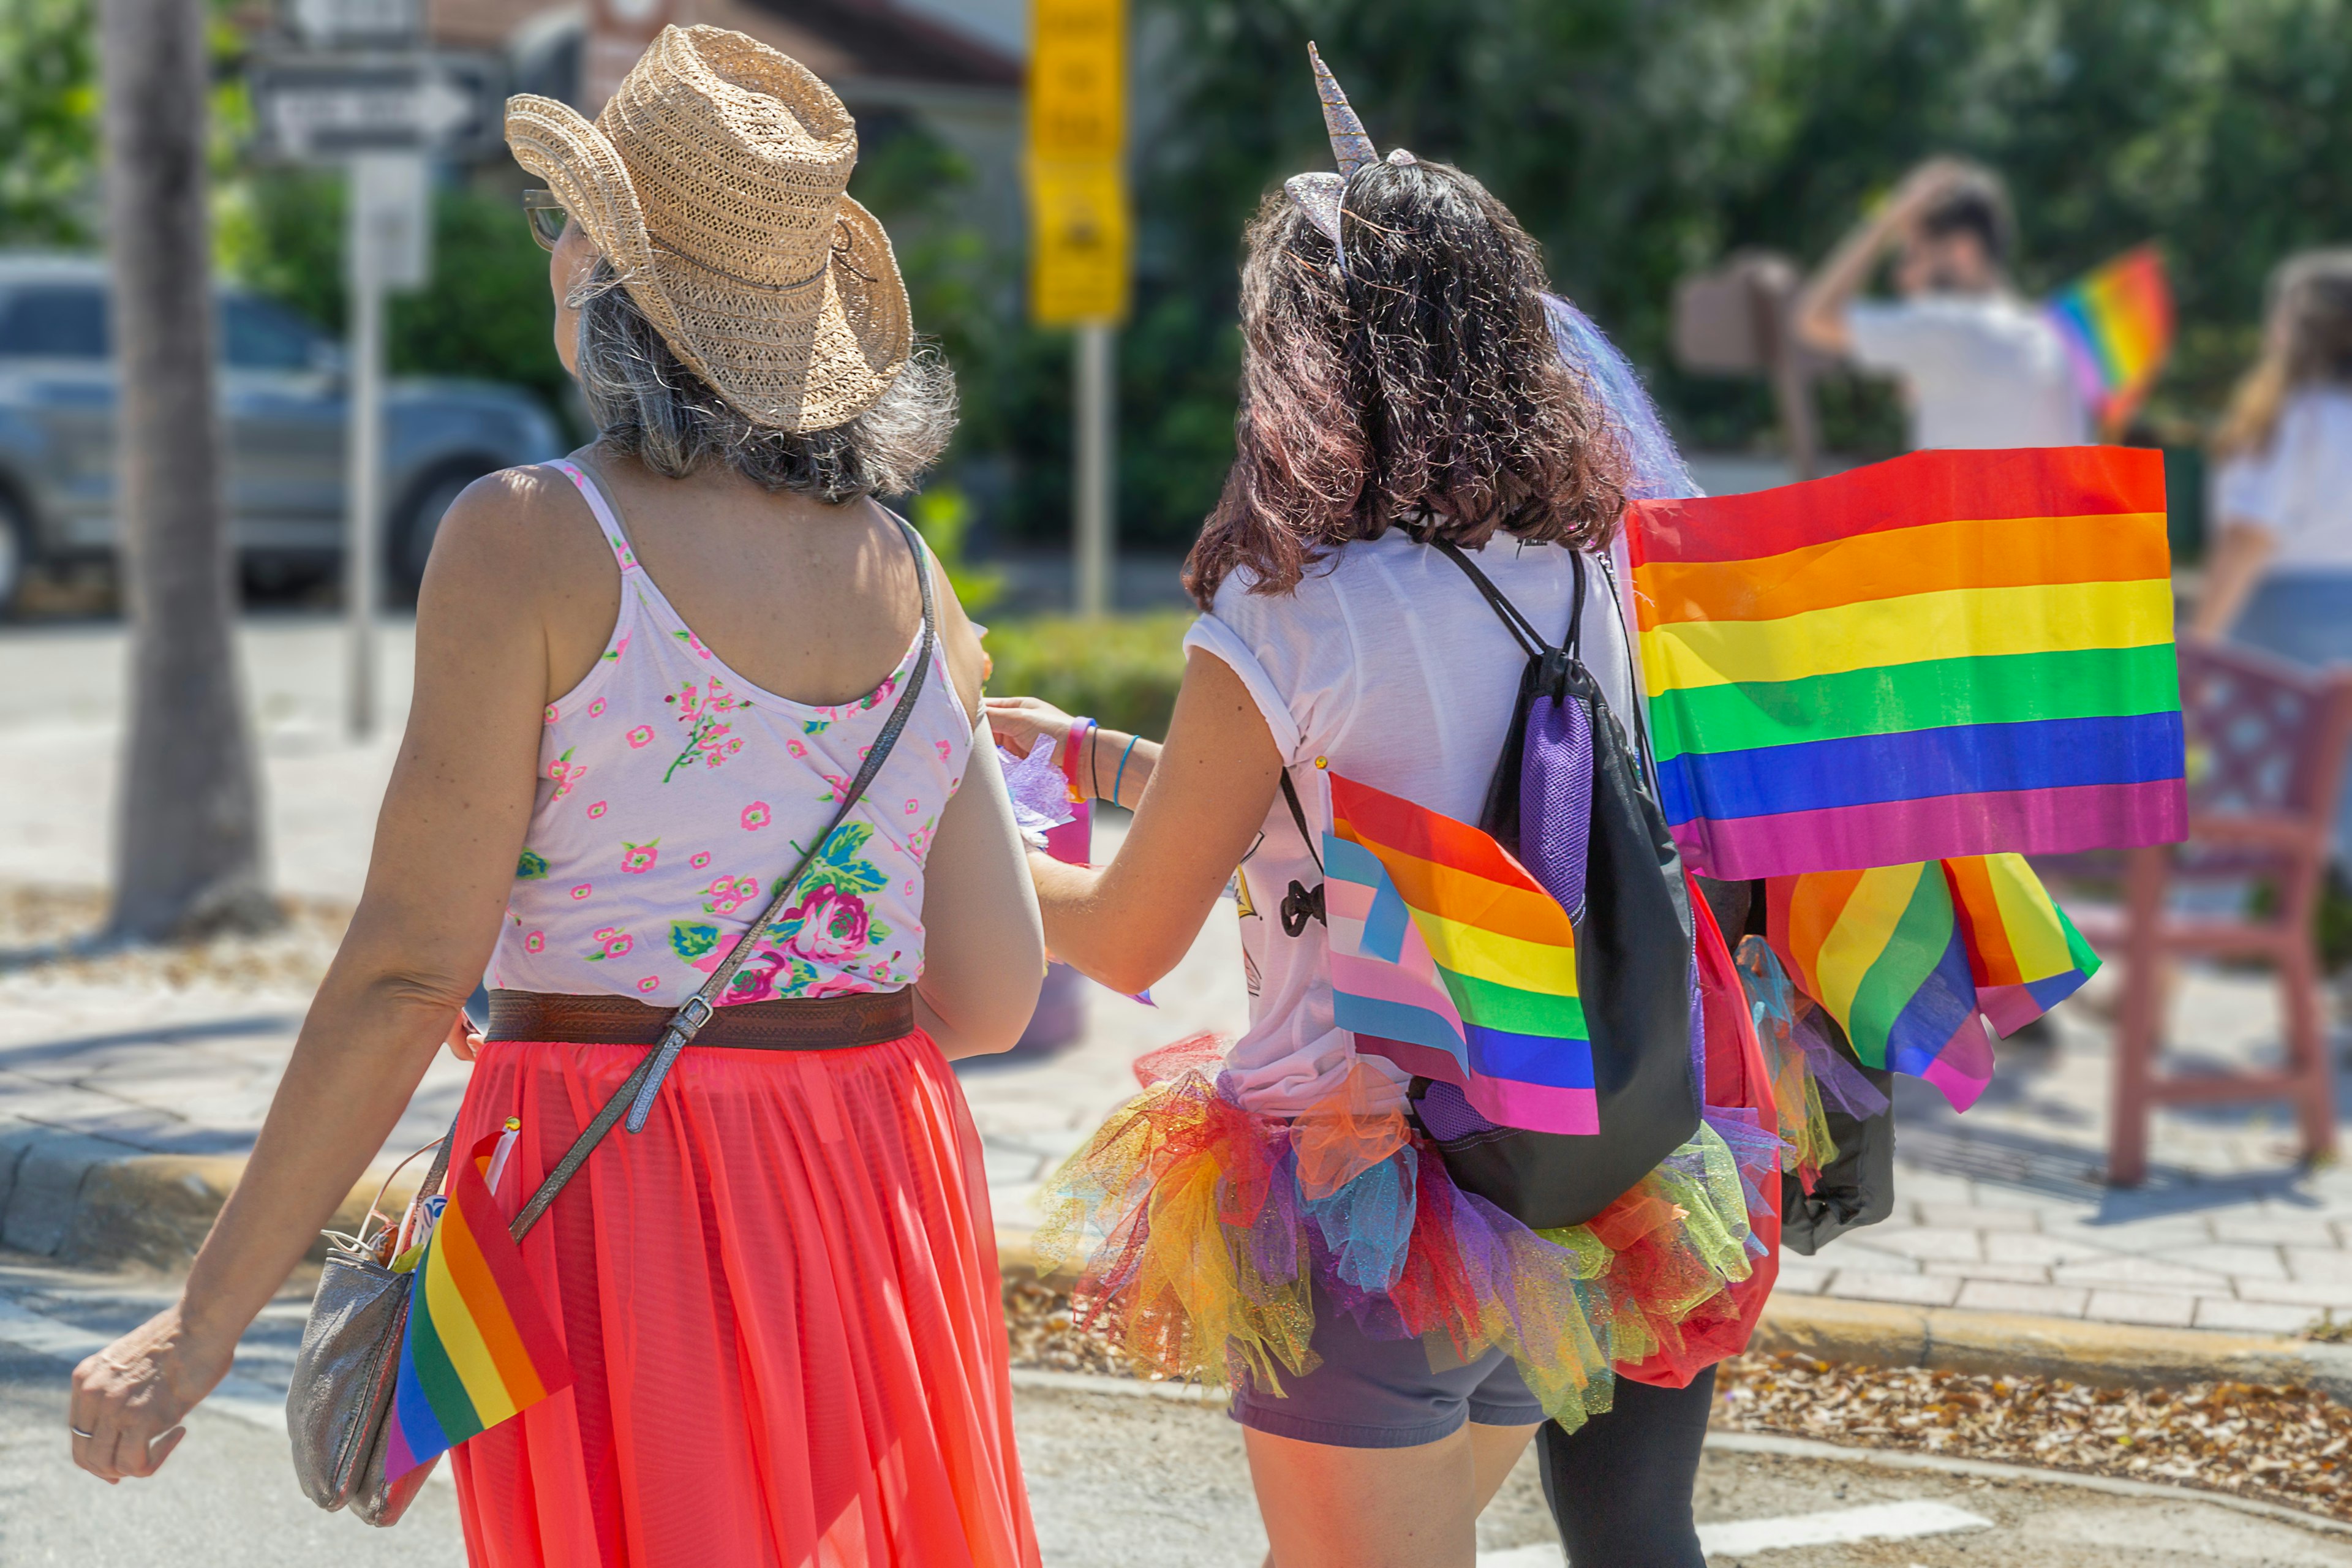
(1417, 386)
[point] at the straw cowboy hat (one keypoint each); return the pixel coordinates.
(714, 183)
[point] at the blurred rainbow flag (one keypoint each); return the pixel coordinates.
(1905, 958)
(480, 1347)
(1449, 958)
(1953, 653)
(2117, 325)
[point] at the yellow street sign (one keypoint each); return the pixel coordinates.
(1078, 82)
(1080, 240)
(1079, 244)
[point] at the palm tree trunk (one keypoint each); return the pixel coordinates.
(188, 851)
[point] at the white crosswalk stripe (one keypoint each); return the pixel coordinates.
(1880, 1521)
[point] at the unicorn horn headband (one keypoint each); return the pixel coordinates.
(1317, 196)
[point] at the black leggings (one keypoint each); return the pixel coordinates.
(1619, 1484)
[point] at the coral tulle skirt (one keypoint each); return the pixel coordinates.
(781, 1309)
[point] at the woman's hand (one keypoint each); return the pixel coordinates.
(464, 1039)
(1017, 722)
(130, 1399)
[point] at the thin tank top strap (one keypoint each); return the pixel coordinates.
(607, 518)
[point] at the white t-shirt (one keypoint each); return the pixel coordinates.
(1977, 370)
(2300, 489)
(1389, 663)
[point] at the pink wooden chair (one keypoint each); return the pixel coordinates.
(2266, 756)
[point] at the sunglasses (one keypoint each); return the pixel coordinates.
(547, 217)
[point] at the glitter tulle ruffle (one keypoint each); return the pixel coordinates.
(1204, 1232)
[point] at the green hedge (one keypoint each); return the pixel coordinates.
(1122, 672)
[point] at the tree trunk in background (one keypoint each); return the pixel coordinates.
(188, 852)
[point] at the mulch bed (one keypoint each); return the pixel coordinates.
(1038, 1322)
(2288, 1445)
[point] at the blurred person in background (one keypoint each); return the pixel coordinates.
(2280, 574)
(1980, 365)
(645, 677)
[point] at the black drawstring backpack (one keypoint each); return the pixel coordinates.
(1571, 800)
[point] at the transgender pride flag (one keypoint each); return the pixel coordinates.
(1449, 958)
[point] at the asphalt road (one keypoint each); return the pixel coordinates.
(1117, 1482)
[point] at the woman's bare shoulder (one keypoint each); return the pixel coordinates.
(518, 534)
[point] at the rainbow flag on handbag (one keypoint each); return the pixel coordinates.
(478, 1347)
(1906, 957)
(1953, 653)
(1449, 958)
(2118, 326)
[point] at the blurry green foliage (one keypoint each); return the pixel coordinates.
(487, 312)
(1121, 671)
(1637, 140)
(48, 121)
(943, 515)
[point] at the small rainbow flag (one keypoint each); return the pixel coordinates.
(2026, 955)
(1953, 653)
(478, 1348)
(1905, 957)
(2116, 322)
(1449, 958)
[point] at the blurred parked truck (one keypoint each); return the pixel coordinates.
(282, 402)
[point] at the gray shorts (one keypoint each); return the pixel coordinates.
(1385, 1394)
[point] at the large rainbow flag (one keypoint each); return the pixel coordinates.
(1449, 958)
(480, 1347)
(1906, 957)
(2116, 322)
(1952, 653)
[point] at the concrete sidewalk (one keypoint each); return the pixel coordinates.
(2001, 1211)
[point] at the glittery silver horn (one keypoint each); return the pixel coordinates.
(1351, 148)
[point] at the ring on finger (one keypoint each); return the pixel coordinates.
(78, 1431)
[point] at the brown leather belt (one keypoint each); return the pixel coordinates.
(821, 1023)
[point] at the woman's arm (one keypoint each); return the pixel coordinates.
(1117, 764)
(445, 845)
(983, 943)
(2232, 573)
(1820, 313)
(1128, 923)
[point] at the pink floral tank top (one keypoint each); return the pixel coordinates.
(674, 795)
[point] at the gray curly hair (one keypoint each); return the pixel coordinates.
(648, 404)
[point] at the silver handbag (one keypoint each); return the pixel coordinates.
(345, 1372)
(349, 1365)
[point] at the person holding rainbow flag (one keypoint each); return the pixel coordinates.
(1870, 696)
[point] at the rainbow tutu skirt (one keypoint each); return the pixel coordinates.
(1201, 1233)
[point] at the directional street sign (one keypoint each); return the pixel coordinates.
(319, 108)
(356, 24)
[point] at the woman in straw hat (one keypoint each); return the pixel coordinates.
(648, 678)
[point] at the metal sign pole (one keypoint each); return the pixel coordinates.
(1095, 416)
(363, 448)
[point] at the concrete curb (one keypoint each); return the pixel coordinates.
(1947, 1339)
(93, 1203)
(2114, 1355)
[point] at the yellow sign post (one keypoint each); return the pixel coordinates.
(1080, 240)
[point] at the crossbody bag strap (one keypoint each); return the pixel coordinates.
(635, 1096)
